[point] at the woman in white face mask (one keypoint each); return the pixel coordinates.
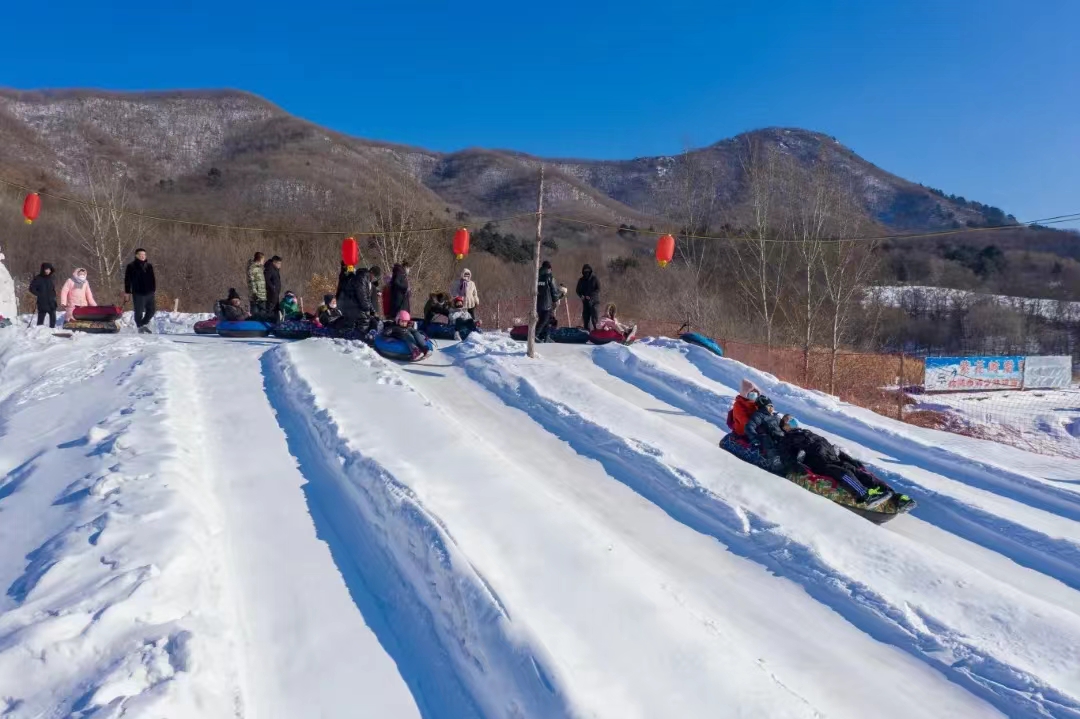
(76, 292)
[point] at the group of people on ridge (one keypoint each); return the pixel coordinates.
(785, 446)
(549, 294)
(140, 286)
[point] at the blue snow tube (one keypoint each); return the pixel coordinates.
(396, 349)
(696, 338)
(438, 330)
(244, 328)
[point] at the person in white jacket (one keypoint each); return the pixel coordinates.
(76, 292)
(465, 288)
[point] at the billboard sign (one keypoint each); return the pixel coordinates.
(956, 374)
(1047, 372)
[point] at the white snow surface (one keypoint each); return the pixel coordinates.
(198, 527)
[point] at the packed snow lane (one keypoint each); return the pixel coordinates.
(892, 588)
(304, 647)
(639, 616)
(116, 598)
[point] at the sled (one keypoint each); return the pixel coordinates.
(396, 349)
(821, 485)
(438, 330)
(603, 337)
(293, 329)
(352, 334)
(569, 335)
(98, 327)
(696, 338)
(206, 327)
(102, 313)
(244, 328)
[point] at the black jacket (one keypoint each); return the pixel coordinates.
(433, 307)
(139, 278)
(763, 429)
(400, 292)
(820, 452)
(273, 282)
(547, 291)
(43, 288)
(588, 285)
(354, 297)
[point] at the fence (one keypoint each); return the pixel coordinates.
(1043, 421)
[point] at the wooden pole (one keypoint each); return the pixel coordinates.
(536, 265)
(900, 393)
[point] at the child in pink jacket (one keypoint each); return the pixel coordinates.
(76, 292)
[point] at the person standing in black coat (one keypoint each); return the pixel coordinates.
(588, 291)
(375, 275)
(272, 273)
(141, 286)
(547, 295)
(43, 289)
(400, 292)
(354, 300)
(801, 446)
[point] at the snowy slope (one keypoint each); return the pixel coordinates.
(192, 526)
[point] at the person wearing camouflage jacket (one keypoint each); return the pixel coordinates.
(256, 283)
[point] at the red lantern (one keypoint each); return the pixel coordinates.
(350, 253)
(665, 250)
(461, 243)
(31, 207)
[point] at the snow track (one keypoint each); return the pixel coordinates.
(193, 527)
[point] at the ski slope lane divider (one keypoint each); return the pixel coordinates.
(1017, 653)
(454, 642)
(1055, 557)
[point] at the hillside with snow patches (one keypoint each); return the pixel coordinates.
(199, 527)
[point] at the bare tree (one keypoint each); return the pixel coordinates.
(761, 258)
(398, 217)
(103, 228)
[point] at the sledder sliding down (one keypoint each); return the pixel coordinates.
(779, 445)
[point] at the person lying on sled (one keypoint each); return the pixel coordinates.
(763, 432)
(399, 329)
(743, 408)
(801, 446)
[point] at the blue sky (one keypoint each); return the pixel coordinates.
(977, 97)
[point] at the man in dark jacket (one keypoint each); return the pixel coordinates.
(43, 289)
(272, 274)
(764, 432)
(141, 286)
(588, 291)
(400, 292)
(437, 304)
(547, 295)
(354, 300)
(801, 446)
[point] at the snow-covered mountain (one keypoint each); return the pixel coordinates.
(226, 153)
(197, 527)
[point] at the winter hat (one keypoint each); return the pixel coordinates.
(586, 270)
(233, 294)
(764, 402)
(546, 265)
(459, 302)
(327, 299)
(47, 266)
(403, 316)
(746, 387)
(466, 272)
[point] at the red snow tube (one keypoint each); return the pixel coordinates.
(520, 333)
(102, 313)
(386, 301)
(206, 327)
(602, 337)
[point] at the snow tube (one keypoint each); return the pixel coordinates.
(102, 313)
(293, 329)
(821, 485)
(206, 327)
(395, 349)
(602, 337)
(438, 330)
(519, 333)
(569, 335)
(98, 327)
(696, 338)
(244, 328)
(351, 334)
